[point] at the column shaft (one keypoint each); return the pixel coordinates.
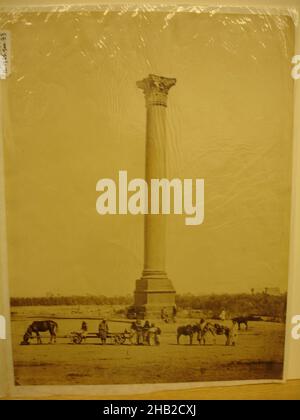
(154, 291)
(155, 235)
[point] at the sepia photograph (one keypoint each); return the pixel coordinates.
(148, 179)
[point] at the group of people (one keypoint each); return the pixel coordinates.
(102, 330)
(139, 333)
(144, 333)
(229, 329)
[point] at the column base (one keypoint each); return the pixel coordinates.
(154, 294)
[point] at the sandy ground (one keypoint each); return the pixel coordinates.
(258, 354)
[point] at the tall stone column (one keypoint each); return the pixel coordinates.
(154, 291)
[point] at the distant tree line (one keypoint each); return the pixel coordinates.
(55, 300)
(237, 304)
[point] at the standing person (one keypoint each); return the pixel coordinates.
(233, 334)
(84, 326)
(132, 337)
(84, 330)
(165, 314)
(201, 328)
(139, 332)
(223, 315)
(153, 335)
(174, 313)
(146, 328)
(157, 332)
(103, 330)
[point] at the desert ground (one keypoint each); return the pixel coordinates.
(257, 355)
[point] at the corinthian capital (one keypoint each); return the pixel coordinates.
(156, 89)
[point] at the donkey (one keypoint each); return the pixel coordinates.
(40, 326)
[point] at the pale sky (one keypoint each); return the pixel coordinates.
(74, 115)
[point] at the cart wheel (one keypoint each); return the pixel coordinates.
(120, 339)
(123, 339)
(115, 339)
(77, 339)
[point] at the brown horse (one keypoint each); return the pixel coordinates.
(40, 326)
(241, 320)
(187, 330)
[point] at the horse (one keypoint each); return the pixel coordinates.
(40, 326)
(241, 320)
(187, 330)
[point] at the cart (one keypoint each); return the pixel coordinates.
(115, 338)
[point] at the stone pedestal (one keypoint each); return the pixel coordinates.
(154, 290)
